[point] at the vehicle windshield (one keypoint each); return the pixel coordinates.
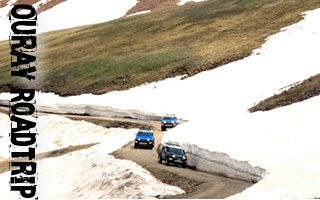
(145, 133)
(169, 118)
(176, 151)
(147, 129)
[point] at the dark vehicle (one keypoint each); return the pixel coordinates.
(172, 153)
(169, 121)
(144, 137)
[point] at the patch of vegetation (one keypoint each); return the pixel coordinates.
(303, 91)
(130, 51)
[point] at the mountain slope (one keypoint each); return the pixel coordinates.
(129, 51)
(297, 93)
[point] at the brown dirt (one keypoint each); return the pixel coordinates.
(307, 89)
(48, 5)
(111, 123)
(143, 5)
(100, 121)
(30, 2)
(5, 164)
(3, 3)
(197, 184)
(42, 6)
(213, 49)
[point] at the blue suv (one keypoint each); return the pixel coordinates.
(144, 137)
(169, 121)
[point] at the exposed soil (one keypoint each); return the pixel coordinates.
(307, 89)
(197, 184)
(30, 2)
(181, 41)
(110, 122)
(143, 5)
(42, 6)
(5, 164)
(3, 3)
(48, 5)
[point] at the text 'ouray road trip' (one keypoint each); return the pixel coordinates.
(23, 43)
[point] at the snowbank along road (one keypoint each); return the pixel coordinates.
(197, 184)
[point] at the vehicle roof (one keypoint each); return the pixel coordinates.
(145, 132)
(177, 146)
(145, 128)
(170, 117)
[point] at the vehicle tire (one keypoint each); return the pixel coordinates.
(135, 146)
(163, 128)
(184, 165)
(159, 159)
(167, 162)
(151, 147)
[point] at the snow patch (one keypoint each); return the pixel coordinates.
(283, 141)
(83, 12)
(70, 14)
(60, 132)
(102, 176)
(56, 132)
(138, 13)
(84, 109)
(89, 173)
(182, 2)
(4, 136)
(219, 163)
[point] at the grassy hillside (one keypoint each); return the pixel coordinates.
(127, 52)
(300, 92)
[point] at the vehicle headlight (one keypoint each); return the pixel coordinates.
(138, 139)
(174, 156)
(148, 139)
(185, 157)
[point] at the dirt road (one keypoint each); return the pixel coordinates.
(197, 184)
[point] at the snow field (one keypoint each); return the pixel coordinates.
(88, 173)
(57, 132)
(98, 175)
(70, 14)
(284, 141)
(4, 136)
(287, 57)
(74, 13)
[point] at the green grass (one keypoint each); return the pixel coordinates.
(129, 51)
